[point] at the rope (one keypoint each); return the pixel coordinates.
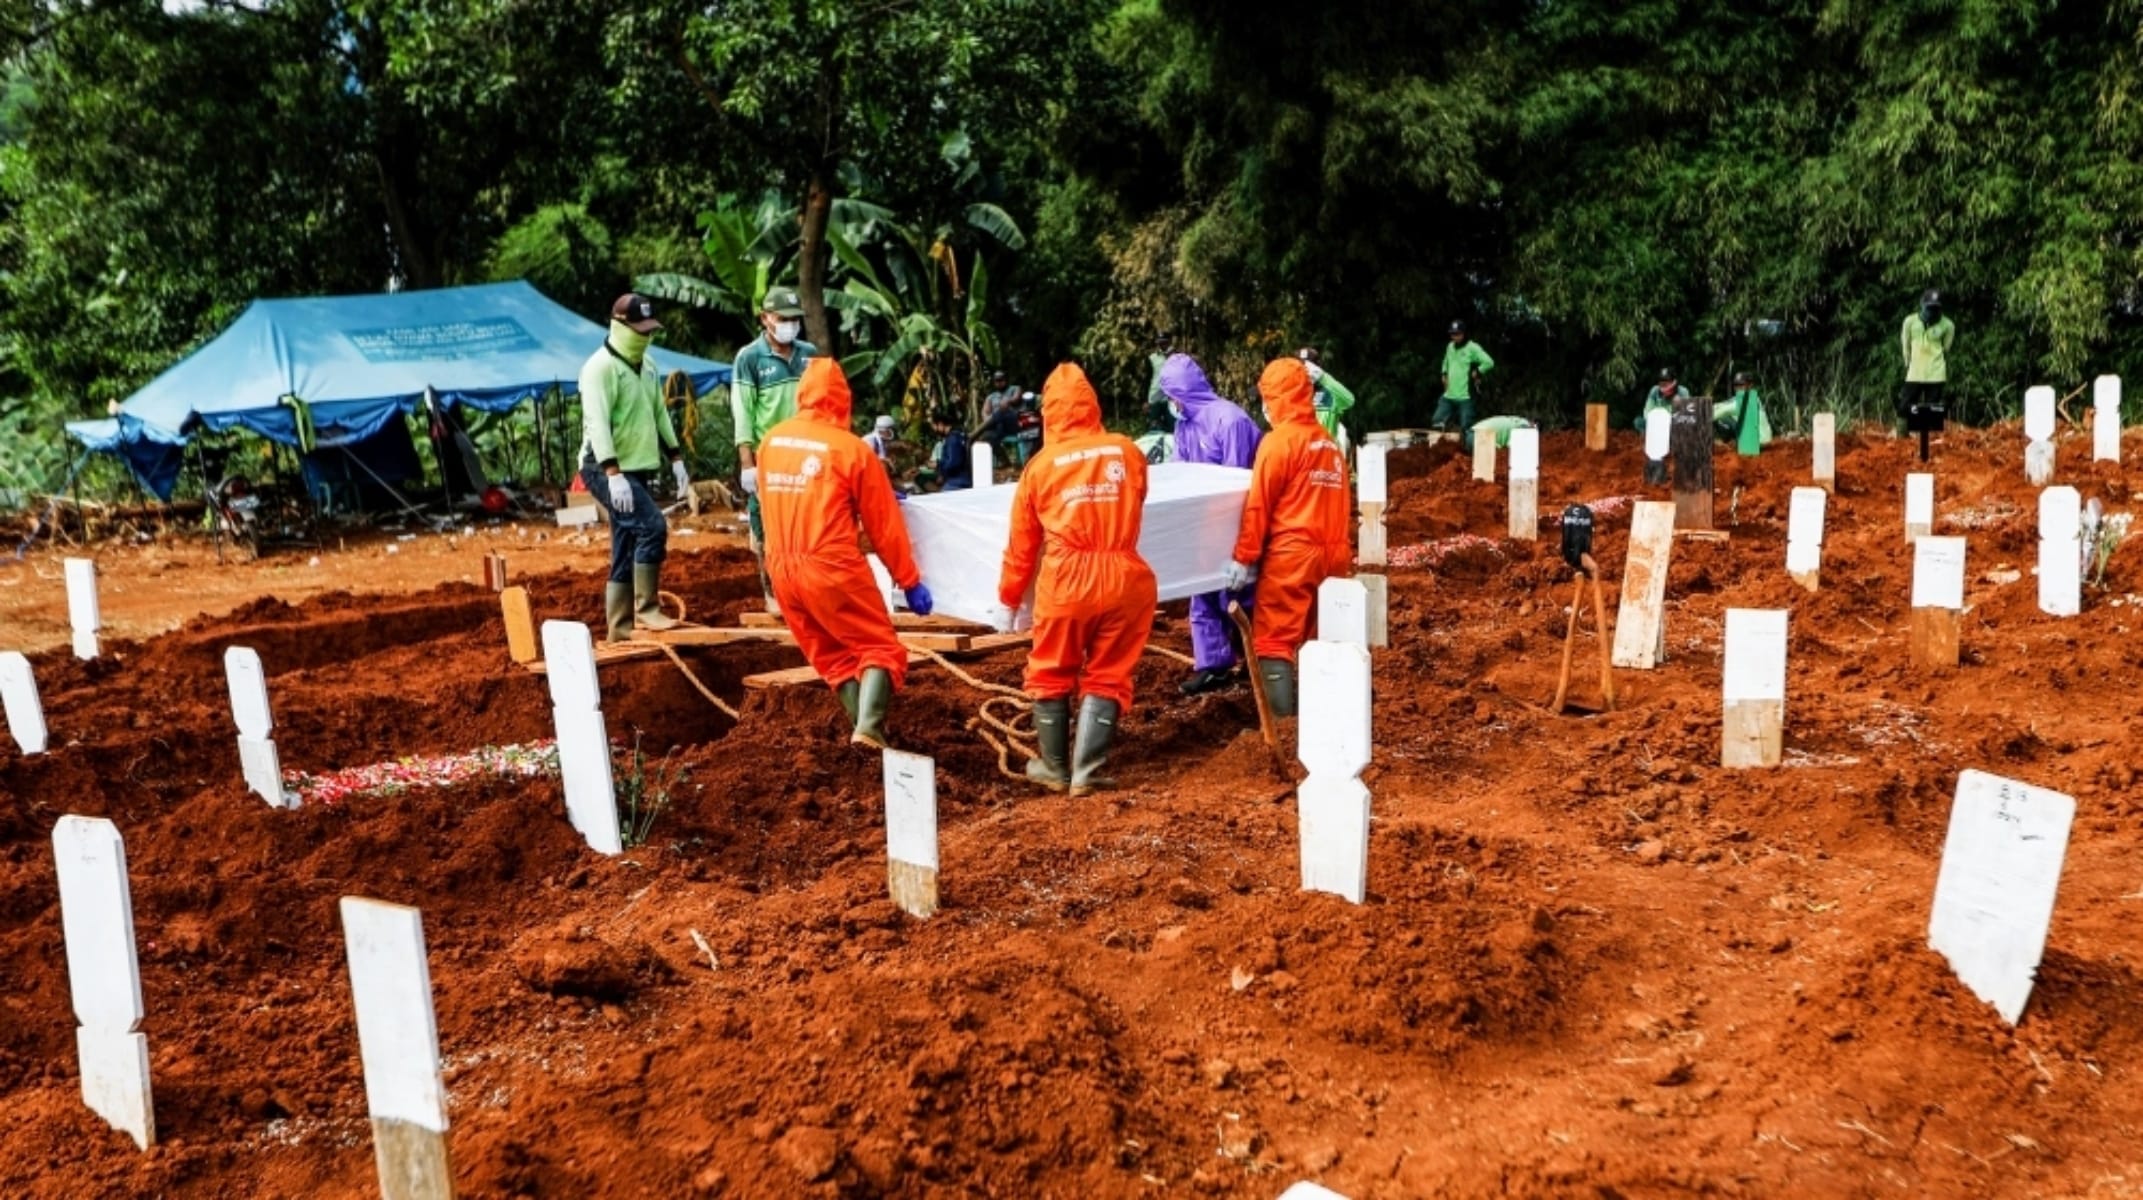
(672, 598)
(692, 679)
(971, 681)
(985, 720)
(1165, 652)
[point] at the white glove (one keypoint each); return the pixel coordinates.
(1003, 619)
(1235, 576)
(620, 493)
(684, 477)
(749, 477)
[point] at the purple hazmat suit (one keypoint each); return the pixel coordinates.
(1212, 429)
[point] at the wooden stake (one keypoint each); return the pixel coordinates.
(1525, 509)
(1371, 551)
(520, 625)
(1691, 438)
(1753, 733)
(1752, 725)
(1823, 435)
(1379, 589)
(1484, 457)
(1641, 624)
(495, 571)
(1935, 637)
(1596, 427)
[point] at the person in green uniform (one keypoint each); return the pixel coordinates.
(1663, 395)
(1741, 418)
(762, 394)
(1331, 399)
(625, 435)
(1160, 418)
(1925, 342)
(1465, 363)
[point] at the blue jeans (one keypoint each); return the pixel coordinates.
(638, 538)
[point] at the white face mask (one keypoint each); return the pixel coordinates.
(785, 331)
(1175, 410)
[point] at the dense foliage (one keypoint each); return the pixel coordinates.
(1598, 187)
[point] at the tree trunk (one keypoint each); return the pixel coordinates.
(811, 264)
(410, 252)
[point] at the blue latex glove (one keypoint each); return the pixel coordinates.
(918, 598)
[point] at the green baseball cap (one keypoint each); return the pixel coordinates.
(783, 302)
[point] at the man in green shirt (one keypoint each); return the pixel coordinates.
(1925, 343)
(1331, 399)
(625, 435)
(1464, 364)
(762, 394)
(1741, 418)
(1663, 395)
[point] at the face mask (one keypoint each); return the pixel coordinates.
(1175, 410)
(785, 331)
(1930, 316)
(626, 342)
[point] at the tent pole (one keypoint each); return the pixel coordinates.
(208, 494)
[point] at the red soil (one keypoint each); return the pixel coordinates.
(1592, 964)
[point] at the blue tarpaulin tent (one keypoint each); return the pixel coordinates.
(356, 363)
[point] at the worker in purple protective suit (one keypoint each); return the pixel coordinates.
(1209, 429)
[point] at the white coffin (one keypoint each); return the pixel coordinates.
(1193, 512)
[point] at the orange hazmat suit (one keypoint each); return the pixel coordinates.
(1077, 514)
(817, 483)
(1296, 518)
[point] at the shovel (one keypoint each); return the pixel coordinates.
(1266, 724)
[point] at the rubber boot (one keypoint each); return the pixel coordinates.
(1278, 675)
(846, 694)
(1097, 728)
(647, 598)
(617, 610)
(1052, 736)
(874, 694)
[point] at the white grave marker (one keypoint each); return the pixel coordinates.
(2039, 429)
(97, 919)
(583, 742)
(257, 756)
(1994, 895)
(1919, 506)
(1938, 573)
(1804, 535)
(1369, 474)
(1658, 434)
(398, 1040)
(911, 832)
(1310, 1191)
(1343, 611)
(1525, 454)
(18, 696)
(85, 613)
(1641, 622)
(1753, 733)
(2060, 552)
(1333, 741)
(1378, 589)
(982, 460)
(2106, 418)
(1524, 484)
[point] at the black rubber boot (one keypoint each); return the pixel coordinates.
(846, 694)
(874, 694)
(647, 598)
(1052, 736)
(617, 610)
(1097, 728)
(1278, 675)
(1212, 679)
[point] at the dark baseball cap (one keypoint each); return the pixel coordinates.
(636, 312)
(782, 302)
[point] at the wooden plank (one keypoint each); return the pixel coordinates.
(1484, 458)
(1641, 625)
(1935, 637)
(711, 635)
(1690, 442)
(1596, 427)
(1752, 733)
(607, 653)
(1525, 509)
(1823, 434)
(797, 675)
(520, 625)
(997, 641)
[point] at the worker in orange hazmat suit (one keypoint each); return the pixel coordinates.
(1296, 527)
(817, 483)
(1075, 523)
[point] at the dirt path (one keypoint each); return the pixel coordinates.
(1592, 964)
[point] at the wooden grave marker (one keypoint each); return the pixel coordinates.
(1804, 537)
(2060, 552)
(1690, 445)
(18, 699)
(1525, 485)
(1333, 742)
(495, 571)
(1937, 600)
(1343, 611)
(1371, 492)
(1378, 590)
(85, 612)
(1752, 733)
(2106, 418)
(911, 832)
(1919, 506)
(1596, 427)
(1484, 456)
(1823, 438)
(2039, 434)
(583, 743)
(520, 626)
(1641, 620)
(1994, 893)
(257, 755)
(398, 1042)
(104, 974)
(1658, 443)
